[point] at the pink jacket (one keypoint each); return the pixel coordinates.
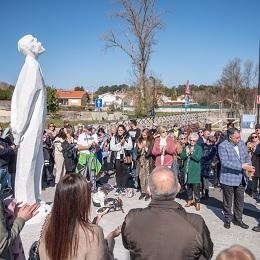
(170, 150)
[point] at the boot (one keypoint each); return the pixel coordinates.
(188, 204)
(206, 194)
(197, 206)
(142, 196)
(147, 197)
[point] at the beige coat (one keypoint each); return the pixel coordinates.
(94, 248)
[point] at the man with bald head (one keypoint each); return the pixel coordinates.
(164, 230)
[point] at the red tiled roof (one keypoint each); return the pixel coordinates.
(70, 94)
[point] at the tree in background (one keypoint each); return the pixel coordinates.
(111, 89)
(137, 38)
(52, 100)
(79, 88)
(238, 84)
(6, 92)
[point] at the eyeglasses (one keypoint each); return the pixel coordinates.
(191, 140)
(183, 138)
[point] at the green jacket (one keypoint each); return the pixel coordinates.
(8, 236)
(194, 171)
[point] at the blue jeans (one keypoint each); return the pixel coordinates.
(4, 176)
(90, 174)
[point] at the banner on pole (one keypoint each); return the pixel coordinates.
(258, 99)
(187, 93)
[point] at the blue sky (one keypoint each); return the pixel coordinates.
(198, 39)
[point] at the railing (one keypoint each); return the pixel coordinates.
(223, 122)
(200, 118)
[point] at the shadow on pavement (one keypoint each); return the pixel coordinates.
(215, 205)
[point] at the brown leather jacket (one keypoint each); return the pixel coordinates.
(164, 230)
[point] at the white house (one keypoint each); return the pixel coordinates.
(111, 99)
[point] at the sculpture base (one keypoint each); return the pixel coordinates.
(43, 210)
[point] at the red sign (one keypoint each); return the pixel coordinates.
(258, 99)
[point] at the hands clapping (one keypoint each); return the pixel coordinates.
(26, 211)
(248, 168)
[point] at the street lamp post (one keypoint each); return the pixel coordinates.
(258, 89)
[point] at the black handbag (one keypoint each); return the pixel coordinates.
(34, 251)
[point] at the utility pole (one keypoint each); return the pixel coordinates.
(258, 89)
(153, 104)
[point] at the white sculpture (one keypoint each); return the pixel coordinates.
(28, 115)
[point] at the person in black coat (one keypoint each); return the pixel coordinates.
(48, 179)
(69, 151)
(209, 151)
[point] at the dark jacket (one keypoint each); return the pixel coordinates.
(70, 156)
(256, 161)
(12, 158)
(208, 154)
(5, 153)
(164, 230)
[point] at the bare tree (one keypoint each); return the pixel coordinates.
(137, 38)
(231, 81)
(248, 74)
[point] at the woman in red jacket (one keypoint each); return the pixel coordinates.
(163, 148)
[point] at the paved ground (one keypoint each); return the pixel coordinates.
(211, 212)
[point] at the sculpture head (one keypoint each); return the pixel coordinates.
(29, 46)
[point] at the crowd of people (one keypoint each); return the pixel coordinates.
(158, 163)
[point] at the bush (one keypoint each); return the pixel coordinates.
(6, 94)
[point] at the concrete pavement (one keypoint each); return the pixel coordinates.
(211, 212)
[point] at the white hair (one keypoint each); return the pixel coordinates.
(195, 136)
(23, 45)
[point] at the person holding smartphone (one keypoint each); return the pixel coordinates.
(121, 144)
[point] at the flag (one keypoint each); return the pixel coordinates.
(187, 100)
(187, 93)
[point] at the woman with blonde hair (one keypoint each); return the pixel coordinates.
(144, 160)
(78, 131)
(163, 148)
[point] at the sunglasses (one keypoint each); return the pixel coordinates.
(255, 136)
(191, 140)
(183, 138)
